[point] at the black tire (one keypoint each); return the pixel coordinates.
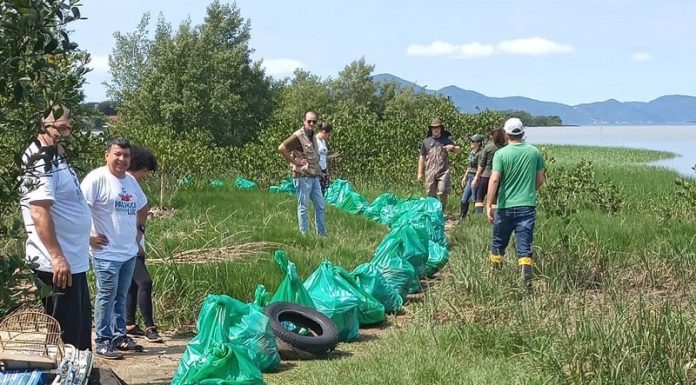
(324, 336)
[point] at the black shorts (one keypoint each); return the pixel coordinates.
(72, 309)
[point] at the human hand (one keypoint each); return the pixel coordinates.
(141, 251)
(62, 277)
(449, 147)
(463, 182)
(300, 162)
(98, 241)
(419, 177)
(490, 212)
(474, 182)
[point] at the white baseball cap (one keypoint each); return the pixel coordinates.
(514, 126)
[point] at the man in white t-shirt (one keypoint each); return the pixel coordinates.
(57, 221)
(118, 207)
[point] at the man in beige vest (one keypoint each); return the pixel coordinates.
(301, 151)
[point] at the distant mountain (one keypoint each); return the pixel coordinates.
(672, 109)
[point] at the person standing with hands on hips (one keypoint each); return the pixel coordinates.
(119, 210)
(301, 150)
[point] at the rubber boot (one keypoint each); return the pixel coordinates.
(478, 208)
(464, 211)
(496, 261)
(526, 272)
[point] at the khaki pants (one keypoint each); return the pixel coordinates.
(438, 187)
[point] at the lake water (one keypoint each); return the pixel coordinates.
(680, 140)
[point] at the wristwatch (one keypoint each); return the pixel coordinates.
(141, 228)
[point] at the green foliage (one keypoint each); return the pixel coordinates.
(199, 79)
(569, 190)
(178, 154)
(533, 121)
(40, 68)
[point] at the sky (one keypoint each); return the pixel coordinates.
(567, 51)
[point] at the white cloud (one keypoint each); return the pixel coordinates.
(99, 63)
(533, 46)
(641, 56)
(439, 48)
(281, 67)
(474, 50)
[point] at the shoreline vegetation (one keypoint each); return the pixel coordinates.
(601, 276)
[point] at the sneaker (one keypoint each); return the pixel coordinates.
(106, 350)
(151, 334)
(127, 344)
(135, 331)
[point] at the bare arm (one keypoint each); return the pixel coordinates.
(45, 229)
(492, 194)
(285, 151)
(421, 167)
(141, 220)
(540, 179)
(457, 150)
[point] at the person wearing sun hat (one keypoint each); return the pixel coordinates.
(518, 172)
(433, 163)
(475, 145)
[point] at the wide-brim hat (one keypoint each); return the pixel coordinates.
(436, 122)
(477, 138)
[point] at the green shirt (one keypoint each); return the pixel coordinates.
(485, 159)
(517, 164)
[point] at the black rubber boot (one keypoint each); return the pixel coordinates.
(527, 274)
(464, 211)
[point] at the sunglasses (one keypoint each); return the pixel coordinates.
(311, 121)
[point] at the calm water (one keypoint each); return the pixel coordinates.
(680, 140)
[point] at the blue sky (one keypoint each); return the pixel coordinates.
(568, 51)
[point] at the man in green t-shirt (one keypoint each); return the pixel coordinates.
(518, 172)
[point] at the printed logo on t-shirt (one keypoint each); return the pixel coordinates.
(125, 203)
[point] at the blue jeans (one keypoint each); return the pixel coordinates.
(113, 281)
(521, 221)
(468, 191)
(310, 189)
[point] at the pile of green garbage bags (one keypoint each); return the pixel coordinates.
(234, 345)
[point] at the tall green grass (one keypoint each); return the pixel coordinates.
(612, 301)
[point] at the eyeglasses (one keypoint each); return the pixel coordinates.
(311, 121)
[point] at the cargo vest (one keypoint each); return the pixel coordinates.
(310, 153)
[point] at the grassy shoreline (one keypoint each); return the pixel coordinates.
(611, 303)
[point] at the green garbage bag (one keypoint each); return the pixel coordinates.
(185, 181)
(407, 210)
(217, 183)
(291, 288)
(370, 310)
(398, 272)
(410, 242)
(438, 256)
(245, 184)
(234, 341)
(334, 299)
(353, 203)
(374, 210)
(338, 191)
(261, 296)
(369, 278)
(285, 186)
